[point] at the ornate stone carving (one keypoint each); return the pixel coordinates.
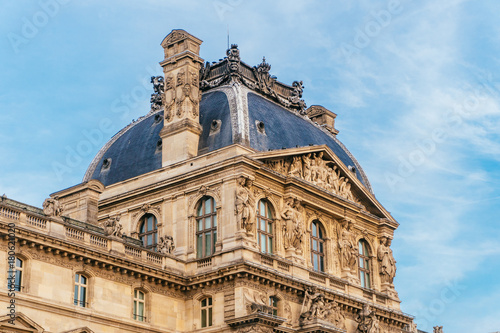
(166, 245)
(348, 250)
(367, 321)
(146, 208)
(255, 329)
(315, 306)
(293, 226)
(51, 207)
(233, 70)
(287, 313)
(438, 329)
(255, 301)
(313, 168)
(112, 227)
(244, 204)
(157, 97)
(387, 264)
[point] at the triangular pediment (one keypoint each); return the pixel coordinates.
(80, 330)
(319, 166)
(22, 324)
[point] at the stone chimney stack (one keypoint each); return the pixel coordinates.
(181, 66)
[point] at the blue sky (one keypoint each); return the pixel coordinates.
(415, 85)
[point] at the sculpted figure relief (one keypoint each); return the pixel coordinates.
(438, 329)
(244, 203)
(112, 227)
(386, 260)
(367, 321)
(315, 306)
(166, 245)
(51, 207)
(293, 227)
(315, 169)
(347, 246)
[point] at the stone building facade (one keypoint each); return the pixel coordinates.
(230, 206)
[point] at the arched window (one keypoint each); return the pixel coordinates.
(148, 231)
(273, 304)
(206, 227)
(139, 305)
(364, 264)
(317, 247)
(80, 295)
(265, 226)
(206, 312)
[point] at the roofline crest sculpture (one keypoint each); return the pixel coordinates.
(232, 69)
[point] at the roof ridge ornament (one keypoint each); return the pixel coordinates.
(232, 70)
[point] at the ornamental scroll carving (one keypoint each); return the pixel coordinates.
(315, 306)
(313, 168)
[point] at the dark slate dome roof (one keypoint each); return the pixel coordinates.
(135, 149)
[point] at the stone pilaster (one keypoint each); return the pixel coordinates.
(181, 67)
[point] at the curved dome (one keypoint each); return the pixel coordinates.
(245, 117)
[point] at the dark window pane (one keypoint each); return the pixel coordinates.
(209, 316)
(203, 318)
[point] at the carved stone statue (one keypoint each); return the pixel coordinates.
(367, 321)
(244, 203)
(112, 227)
(233, 56)
(166, 245)
(347, 247)
(296, 167)
(306, 170)
(386, 260)
(315, 306)
(438, 329)
(51, 207)
(293, 227)
(157, 97)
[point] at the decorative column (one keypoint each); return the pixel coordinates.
(181, 67)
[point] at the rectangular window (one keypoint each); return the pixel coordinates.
(206, 312)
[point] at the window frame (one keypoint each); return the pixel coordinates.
(319, 240)
(154, 232)
(364, 264)
(273, 301)
(268, 233)
(77, 290)
(204, 232)
(136, 301)
(206, 309)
